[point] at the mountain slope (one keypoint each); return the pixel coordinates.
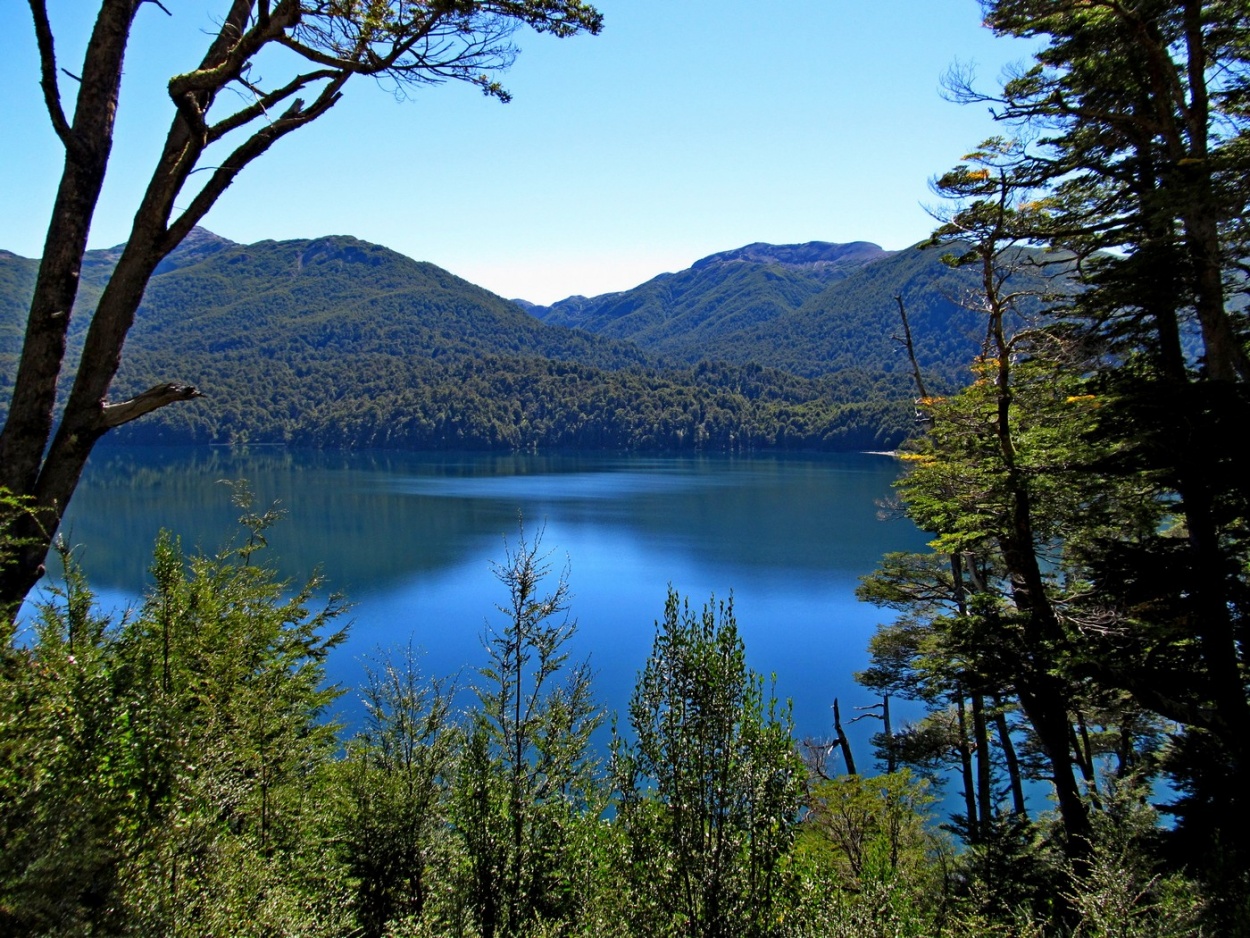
(337, 342)
(852, 323)
(818, 309)
(337, 296)
(722, 294)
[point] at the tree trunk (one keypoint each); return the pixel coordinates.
(1013, 762)
(965, 768)
(981, 736)
(843, 742)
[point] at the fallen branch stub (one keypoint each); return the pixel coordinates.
(114, 415)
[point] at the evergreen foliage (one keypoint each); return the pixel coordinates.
(336, 343)
(1087, 591)
(394, 780)
(528, 779)
(174, 773)
(164, 774)
(710, 785)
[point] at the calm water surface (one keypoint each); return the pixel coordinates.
(410, 539)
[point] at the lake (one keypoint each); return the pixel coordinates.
(410, 538)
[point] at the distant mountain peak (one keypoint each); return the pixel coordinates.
(341, 249)
(822, 260)
(199, 237)
(812, 254)
(199, 243)
(196, 240)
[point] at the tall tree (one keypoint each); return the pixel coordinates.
(710, 788)
(410, 42)
(1142, 114)
(527, 776)
(1143, 138)
(979, 488)
(396, 779)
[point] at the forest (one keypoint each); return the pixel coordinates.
(1079, 623)
(336, 343)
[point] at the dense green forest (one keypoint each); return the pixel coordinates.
(811, 310)
(173, 772)
(495, 402)
(339, 343)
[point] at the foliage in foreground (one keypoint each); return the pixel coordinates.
(172, 773)
(164, 774)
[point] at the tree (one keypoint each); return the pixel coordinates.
(410, 42)
(160, 773)
(1142, 140)
(876, 826)
(934, 653)
(1102, 449)
(711, 786)
(527, 776)
(397, 773)
(980, 486)
(1145, 146)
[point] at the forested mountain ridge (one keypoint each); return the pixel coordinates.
(809, 309)
(822, 259)
(719, 294)
(335, 341)
(851, 322)
(287, 299)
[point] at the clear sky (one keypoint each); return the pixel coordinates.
(687, 127)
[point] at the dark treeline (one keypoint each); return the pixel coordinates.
(509, 403)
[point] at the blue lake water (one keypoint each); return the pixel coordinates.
(410, 538)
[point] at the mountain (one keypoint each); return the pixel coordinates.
(809, 309)
(852, 322)
(721, 294)
(337, 342)
(336, 295)
(823, 259)
(17, 282)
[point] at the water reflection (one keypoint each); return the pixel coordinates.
(410, 537)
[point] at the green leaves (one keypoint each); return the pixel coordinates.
(710, 786)
(165, 768)
(395, 778)
(527, 781)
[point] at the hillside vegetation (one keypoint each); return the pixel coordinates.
(811, 310)
(335, 342)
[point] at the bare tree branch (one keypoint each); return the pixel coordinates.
(295, 116)
(114, 415)
(264, 102)
(47, 81)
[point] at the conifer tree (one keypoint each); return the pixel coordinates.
(711, 784)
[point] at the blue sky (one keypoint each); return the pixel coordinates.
(687, 127)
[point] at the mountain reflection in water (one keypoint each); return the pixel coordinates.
(410, 538)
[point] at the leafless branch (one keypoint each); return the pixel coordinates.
(47, 81)
(114, 415)
(264, 102)
(296, 115)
